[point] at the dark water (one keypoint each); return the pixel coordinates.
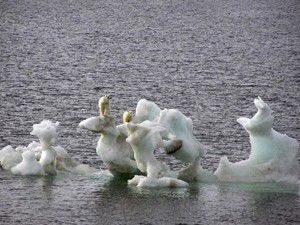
(207, 58)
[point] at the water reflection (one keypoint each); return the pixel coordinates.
(103, 198)
(258, 187)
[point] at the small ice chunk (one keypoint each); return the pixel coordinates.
(84, 169)
(45, 131)
(146, 110)
(195, 172)
(92, 123)
(9, 157)
(150, 182)
(61, 152)
(6, 150)
(28, 166)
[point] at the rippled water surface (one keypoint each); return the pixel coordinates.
(208, 59)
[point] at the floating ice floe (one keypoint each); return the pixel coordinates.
(28, 166)
(151, 128)
(273, 155)
(179, 140)
(129, 148)
(41, 158)
(150, 182)
(112, 147)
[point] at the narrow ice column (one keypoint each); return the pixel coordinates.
(112, 148)
(46, 132)
(143, 142)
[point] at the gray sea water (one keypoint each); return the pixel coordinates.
(207, 58)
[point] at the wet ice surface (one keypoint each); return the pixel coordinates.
(209, 59)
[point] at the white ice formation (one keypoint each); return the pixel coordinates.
(40, 158)
(150, 182)
(178, 131)
(46, 132)
(273, 155)
(112, 147)
(129, 147)
(9, 157)
(28, 166)
(143, 142)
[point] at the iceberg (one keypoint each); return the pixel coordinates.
(129, 149)
(273, 156)
(177, 132)
(41, 158)
(112, 147)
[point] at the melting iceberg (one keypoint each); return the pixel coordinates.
(179, 140)
(273, 155)
(112, 147)
(28, 166)
(143, 142)
(40, 158)
(46, 132)
(129, 147)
